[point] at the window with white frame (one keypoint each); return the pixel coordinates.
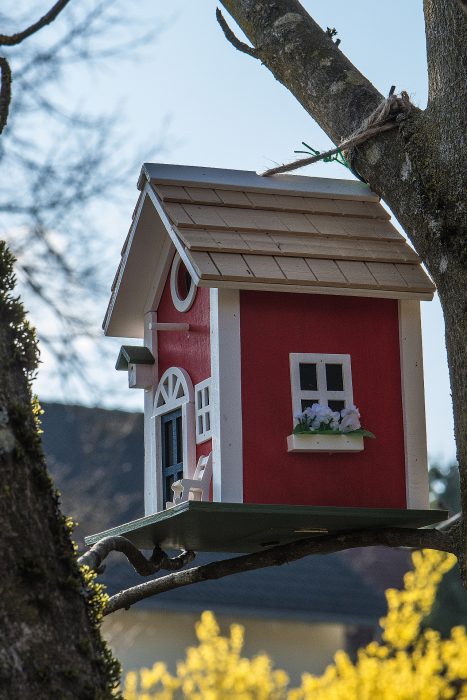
(174, 446)
(318, 378)
(203, 411)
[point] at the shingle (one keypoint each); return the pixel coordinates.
(337, 234)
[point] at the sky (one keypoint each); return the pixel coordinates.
(210, 105)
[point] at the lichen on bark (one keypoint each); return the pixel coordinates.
(50, 646)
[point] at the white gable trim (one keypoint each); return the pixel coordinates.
(170, 230)
(161, 275)
(226, 396)
(413, 404)
(123, 262)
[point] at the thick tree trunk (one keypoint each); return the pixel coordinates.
(50, 645)
(419, 169)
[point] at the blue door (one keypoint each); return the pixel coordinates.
(172, 452)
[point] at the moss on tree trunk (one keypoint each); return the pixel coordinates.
(50, 645)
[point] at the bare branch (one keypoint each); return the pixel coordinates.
(282, 554)
(145, 567)
(49, 17)
(450, 523)
(235, 41)
(5, 92)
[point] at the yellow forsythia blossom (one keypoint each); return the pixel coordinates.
(409, 663)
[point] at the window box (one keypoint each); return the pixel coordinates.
(303, 442)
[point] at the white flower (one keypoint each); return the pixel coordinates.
(350, 419)
(313, 410)
(334, 424)
(323, 416)
(350, 410)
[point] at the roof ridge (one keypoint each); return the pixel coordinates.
(241, 179)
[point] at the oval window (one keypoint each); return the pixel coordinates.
(182, 287)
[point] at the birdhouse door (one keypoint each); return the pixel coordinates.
(172, 452)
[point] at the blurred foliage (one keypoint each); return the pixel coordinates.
(445, 486)
(409, 663)
(450, 607)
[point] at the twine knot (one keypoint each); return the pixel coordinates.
(387, 115)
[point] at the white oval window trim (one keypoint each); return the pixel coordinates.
(181, 304)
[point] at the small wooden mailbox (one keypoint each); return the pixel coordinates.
(268, 309)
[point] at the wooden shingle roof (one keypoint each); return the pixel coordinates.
(238, 229)
(310, 238)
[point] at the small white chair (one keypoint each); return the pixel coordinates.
(197, 488)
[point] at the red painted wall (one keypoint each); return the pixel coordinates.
(191, 350)
(276, 324)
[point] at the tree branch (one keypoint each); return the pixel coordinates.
(337, 95)
(235, 41)
(49, 17)
(282, 554)
(143, 566)
(450, 523)
(419, 168)
(305, 59)
(5, 92)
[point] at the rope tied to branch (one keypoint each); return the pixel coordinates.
(387, 115)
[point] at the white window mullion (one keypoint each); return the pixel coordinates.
(203, 411)
(347, 375)
(322, 395)
(321, 378)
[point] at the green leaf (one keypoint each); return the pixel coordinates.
(298, 430)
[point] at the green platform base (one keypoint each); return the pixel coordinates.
(249, 527)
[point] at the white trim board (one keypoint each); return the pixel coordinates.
(413, 404)
(143, 270)
(120, 272)
(240, 179)
(150, 341)
(309, 289)
(226, 396)
(161, 275)
(172, 234)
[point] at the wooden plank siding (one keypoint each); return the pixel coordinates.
(269, 237)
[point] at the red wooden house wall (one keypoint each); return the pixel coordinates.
(276, 324)
(191, 350)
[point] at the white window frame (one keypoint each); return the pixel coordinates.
(175, 390)
(321, 395)
(203, 409)
(179, 303)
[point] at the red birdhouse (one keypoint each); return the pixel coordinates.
(282, 358)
